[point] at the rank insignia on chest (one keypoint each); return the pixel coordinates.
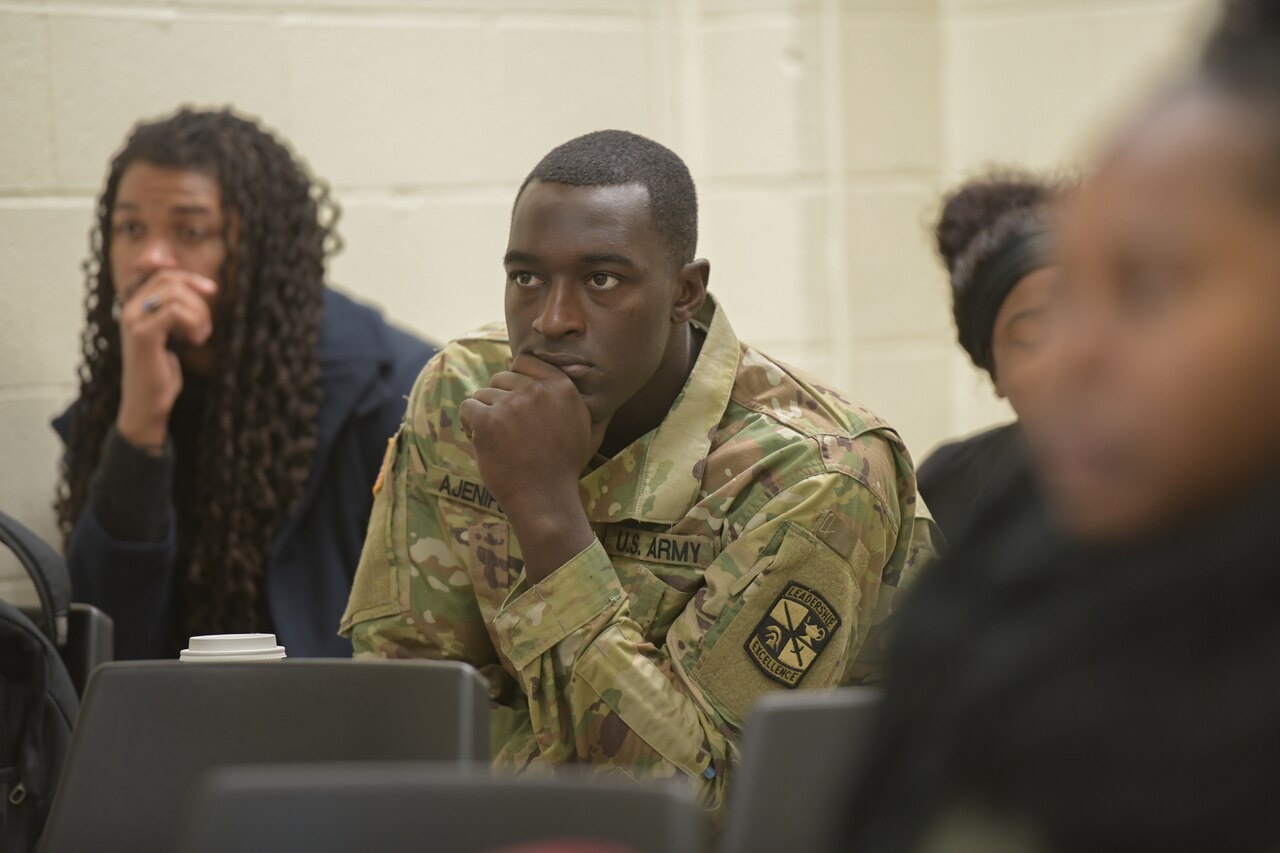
(792, 634)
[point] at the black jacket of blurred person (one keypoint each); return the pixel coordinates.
(1045, 696)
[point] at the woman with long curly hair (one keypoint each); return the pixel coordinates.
(233, 410)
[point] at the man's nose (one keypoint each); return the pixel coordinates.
(561, 313)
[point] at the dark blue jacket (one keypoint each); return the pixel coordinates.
(366, 370)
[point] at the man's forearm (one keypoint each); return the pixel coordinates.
(552, 528)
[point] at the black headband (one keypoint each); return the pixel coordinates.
(1013, 260)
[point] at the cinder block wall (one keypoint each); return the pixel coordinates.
(1036, 82)
(819, 132)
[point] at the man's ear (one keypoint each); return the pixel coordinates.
(692, 281)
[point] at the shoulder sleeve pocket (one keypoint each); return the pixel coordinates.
(789, 628)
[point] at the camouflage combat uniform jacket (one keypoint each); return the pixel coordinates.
(751, 543)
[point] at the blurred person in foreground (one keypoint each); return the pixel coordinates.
(1104, 678)
(233, 410)
(995, 236)
(633, 524)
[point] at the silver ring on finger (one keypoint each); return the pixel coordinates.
(152, 303)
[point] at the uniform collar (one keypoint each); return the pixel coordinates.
(657, 478)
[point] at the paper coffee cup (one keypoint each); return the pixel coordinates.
(232, 648)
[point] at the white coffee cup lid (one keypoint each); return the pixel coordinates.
(233, 647)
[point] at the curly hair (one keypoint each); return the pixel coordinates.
(977, 218)
(251, 456)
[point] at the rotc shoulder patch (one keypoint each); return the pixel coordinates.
(792, 634)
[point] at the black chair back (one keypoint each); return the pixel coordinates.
(148, 731)
(800, 752)
(443, 809)
(81, 633)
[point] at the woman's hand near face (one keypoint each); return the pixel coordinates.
(171, 304)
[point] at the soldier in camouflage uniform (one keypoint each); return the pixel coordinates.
(633, 524)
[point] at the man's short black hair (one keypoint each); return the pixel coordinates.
(618, 157)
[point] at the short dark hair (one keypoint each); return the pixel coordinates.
(1241, 51)
(1241, 58)
(606, 158)
(1058, 690)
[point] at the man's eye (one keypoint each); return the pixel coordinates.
(604, 281)
(525, 279)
